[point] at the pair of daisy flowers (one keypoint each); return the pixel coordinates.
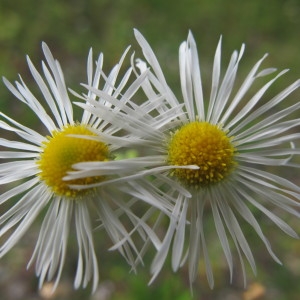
(197, 156)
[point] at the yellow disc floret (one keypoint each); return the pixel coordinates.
(61, 150)
(205, 145)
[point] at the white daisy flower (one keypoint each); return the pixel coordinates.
(33, 170)
(226, 150)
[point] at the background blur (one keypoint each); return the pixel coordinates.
(70, 28)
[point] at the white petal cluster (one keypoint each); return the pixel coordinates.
(140, 112)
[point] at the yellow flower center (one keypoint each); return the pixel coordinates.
(205, 145)
(61, 151)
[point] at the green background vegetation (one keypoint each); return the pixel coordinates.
(70, 28)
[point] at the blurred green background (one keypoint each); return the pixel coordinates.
(70, 28)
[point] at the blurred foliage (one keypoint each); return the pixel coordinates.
(70, 28)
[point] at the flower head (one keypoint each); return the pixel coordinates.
(232, 137)
(215, 155)
(35, 167)
(204, 145)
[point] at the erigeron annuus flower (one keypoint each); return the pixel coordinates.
(223, 149)
(231, 137)
(34, 168)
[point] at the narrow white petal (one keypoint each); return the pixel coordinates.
(243, 89)
(19, 145)
(140, 174)
(237, 234)
(162, 253)
(185, 80)
(215, 80)
(245, 212)
(221, 230)
(18, 190)
(194, 239)
(25, 132)
(279, 222)
(253, 101)
(62, 97)
(86, 249)
(17, 155)
(266, 107)
(29, 218)
(45, 91)
(150, 56)
(209, 272)
(196, 76)
(179, 237)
